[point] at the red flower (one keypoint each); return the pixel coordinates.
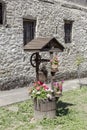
(39, 82)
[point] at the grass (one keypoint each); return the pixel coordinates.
(71, 114)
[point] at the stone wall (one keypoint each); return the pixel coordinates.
(15, 68)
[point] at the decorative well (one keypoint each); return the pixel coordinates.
(44, 97)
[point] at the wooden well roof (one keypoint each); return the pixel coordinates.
(44, 44)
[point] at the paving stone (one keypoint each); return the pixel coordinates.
(21, 94)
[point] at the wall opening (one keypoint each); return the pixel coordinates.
(29, 30)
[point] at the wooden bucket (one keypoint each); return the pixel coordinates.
(44, 109)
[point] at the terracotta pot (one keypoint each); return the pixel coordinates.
(54, 68)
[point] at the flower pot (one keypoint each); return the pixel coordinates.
(44, 109)
(58, 94)
(54, 67)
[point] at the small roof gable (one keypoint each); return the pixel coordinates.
(43, 44)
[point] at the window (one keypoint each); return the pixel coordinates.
(68, 31)
(2, 13)
(29, 30)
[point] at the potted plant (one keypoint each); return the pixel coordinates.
(58, 88)
(40, 91)
(44, 100)
(54, 64)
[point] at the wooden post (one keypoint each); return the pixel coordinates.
(37, 66)
(52, 73)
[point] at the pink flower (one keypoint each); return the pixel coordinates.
(62, 81)
(51, 60)
(35, 84)
(38, 82)
(38, 88)
(45, 86)
(55, 83)
(60, 87)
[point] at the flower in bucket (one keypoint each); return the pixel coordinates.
(54, 64)
(58, 88)
(40, 91)
(54, 60)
